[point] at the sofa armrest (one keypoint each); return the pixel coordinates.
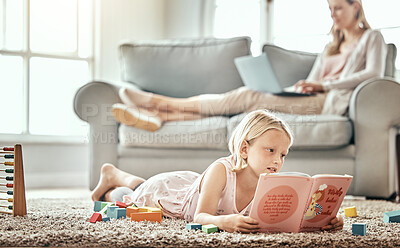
(374, 110)
(92, 103)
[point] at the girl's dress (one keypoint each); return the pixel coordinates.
(177, 193)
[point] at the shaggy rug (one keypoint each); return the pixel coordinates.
(65, 222)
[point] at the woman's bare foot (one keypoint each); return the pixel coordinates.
(136, 117)
(112, 177)
(135, 97)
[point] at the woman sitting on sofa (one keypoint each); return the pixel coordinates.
(355, 54)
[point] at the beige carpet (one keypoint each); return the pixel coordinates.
(65, 222)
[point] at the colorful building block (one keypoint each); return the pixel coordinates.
(130, 210)
(111, 211)
(193, 226)
(95, 217)
(120, 213)
(359, 229)
(105, 205)
(393, 216)
(149, 209)
(106, 219)
(99, 205)
(104, 209)
(210, 228)
(350, 212)
(146, 216)
(120, 204)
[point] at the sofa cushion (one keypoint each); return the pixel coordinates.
(312, 131)
(209, 133)
(289, 66)
(183, 68)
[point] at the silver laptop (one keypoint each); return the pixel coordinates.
(258, 74)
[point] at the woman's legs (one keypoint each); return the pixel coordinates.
(136, 97)
(111, 178)
(237, 101)
(233, 102)
(149, 119)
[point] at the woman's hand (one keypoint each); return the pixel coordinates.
(335, 224)
(239, 223)
(308, 87)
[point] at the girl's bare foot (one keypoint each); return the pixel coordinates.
(112, 177)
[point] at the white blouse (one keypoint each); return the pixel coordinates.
(368, 60)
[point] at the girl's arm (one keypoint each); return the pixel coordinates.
(213, 184)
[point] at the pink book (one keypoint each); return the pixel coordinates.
(295, 202)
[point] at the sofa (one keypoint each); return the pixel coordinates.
(358, 144)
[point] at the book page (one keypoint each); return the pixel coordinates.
(290, 173)
(279, 202)
(327, 194)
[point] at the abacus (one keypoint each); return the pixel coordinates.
(12, 186)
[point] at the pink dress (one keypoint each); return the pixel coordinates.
(177, 193)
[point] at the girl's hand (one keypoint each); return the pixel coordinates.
(335, 224)
(239, 223)
(308, 87)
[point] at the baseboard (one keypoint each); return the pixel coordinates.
(57, 179)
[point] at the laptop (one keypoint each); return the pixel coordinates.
(258, 74)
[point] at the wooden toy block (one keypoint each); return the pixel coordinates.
(393, 216)
(120, 204)
(111, 211)
(130, 210)
(146, 216)
(210, 228)
(193, 226)
(350, 212)
(105, 205)
(120, 213)
(97, 206)
(149, 209)
(95, 217)
(104, 209)
(359, 229)
(106, 219)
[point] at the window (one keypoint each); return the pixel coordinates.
(238, 18)
(45, 56)
(310, 22)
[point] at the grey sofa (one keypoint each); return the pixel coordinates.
(357, 144)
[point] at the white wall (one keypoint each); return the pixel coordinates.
(118, 20)
(55, 165)
(183, 19)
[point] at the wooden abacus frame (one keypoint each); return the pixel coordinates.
(18, 196)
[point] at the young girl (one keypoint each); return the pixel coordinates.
(223, 194)
(356, 53)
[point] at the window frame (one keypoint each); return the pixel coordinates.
(26, 54)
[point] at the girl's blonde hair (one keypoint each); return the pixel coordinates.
(338, 36)
(253, 125)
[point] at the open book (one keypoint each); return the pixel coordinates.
(294, 202)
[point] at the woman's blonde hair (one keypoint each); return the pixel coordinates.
(338, 36)
(253, 125)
